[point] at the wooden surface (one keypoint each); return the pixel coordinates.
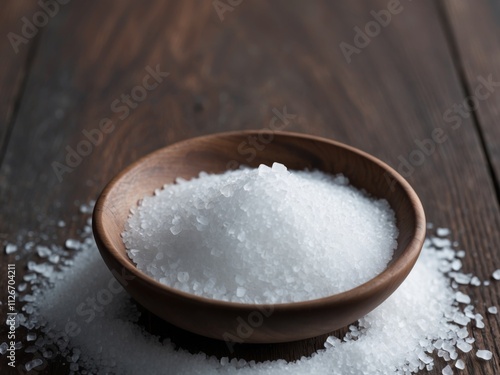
(230, 74)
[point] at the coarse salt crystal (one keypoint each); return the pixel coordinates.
(462, 278)
(460, 364)
(442, 232)
(475, 281)
(32, 364)
(72, 244)
(484, 354)
(496, 274)
(492, 310)
(10, 248)
(463, 346)
(462, 298)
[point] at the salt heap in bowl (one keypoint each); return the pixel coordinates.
(263, 235)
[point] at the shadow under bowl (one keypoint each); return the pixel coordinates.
(247, 322)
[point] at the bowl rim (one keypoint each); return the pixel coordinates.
(360, 292)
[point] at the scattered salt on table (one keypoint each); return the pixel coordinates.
(415, 320)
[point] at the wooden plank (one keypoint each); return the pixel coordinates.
(17, 48)
(231, 74)
(14, 51)
(475, 34)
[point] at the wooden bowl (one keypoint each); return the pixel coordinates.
(249, 323)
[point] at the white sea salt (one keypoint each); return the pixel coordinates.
(475, 281)
(424, 296)
(43, 251)
(31, 336)
(460, 364)
(496, 274)
(462, 298)
(463, 346)
(447, 370)
(484, 354)
(72, 244)
(461, 278)
(492, 310)
(456, 265)
(32, 364)
(288, 235)
(54, 258)
(442, 232)
(10, 248)
(415, 322)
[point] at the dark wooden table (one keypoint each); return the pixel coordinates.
(415, 83)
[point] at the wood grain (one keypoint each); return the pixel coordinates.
(475, 36)
(15, 62)
(230, 75)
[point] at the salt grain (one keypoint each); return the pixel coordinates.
(462, 298)
(492, 310)
(484, 354)
(443, 232)
(10, 248)
(475, 281)
(72, 244)
(496, 274)
(461, 278)
(402, 335)
(32, 364)
(54, 258)
(43, 251)
(456, 265)
(463, 346)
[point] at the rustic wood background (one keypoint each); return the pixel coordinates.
(229, 72)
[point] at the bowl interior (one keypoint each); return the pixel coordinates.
(220, 152)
